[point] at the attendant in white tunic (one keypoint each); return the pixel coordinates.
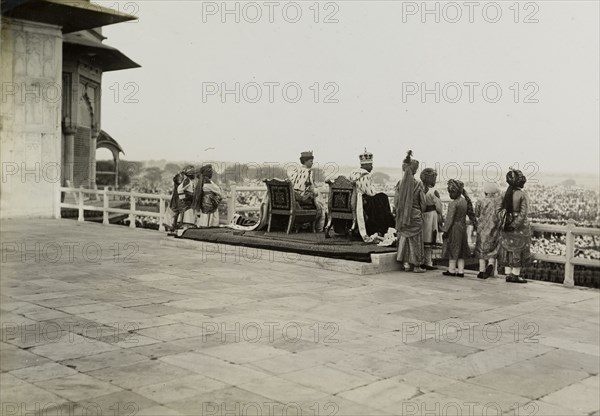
(185, 192)
(431, 216)
(304, 188)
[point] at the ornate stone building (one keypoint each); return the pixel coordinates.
(52, 61)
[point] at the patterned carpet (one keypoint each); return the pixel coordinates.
(304, 242)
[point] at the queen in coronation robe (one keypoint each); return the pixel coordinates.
(374, 215)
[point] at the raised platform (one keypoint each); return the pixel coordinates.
(304, 249)
(380, 262)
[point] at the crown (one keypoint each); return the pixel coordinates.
(366, 158)
(308, 153)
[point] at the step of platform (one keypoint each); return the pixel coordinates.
(380, 263)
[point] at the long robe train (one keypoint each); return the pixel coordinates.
(377, 213)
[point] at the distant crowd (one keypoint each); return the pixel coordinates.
(550, 204)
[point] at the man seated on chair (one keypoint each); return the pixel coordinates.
(304, 188)
(376, 206)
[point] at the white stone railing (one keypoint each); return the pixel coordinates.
(105, 196)
(232, 204)
(569, 259)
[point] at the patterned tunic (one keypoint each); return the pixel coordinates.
(410, 237)
(515, 242)
(209, 215)
(488, 226)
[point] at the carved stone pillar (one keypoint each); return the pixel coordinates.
(116, 157)
(92, 166)
(69, 155)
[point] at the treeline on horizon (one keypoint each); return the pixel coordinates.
(159, 175)
(139, 174)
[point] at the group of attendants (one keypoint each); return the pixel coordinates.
(501, 221)
(195, 199)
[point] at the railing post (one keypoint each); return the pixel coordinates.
(80, 203)
(106, 206)
(57, 202)
(161, 210)
(569, 267)
(231, 204)
(131, 211)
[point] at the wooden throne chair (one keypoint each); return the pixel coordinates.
(282, 202)
(341, 207)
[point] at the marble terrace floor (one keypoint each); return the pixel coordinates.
(102, 318)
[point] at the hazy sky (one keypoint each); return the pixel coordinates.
(375, 52)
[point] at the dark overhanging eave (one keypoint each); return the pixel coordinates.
(70, 15)
(106, 139)
(98, 54)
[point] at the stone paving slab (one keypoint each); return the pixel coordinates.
(17, 393)
(119, 403)
(78, 387)
(139, 374)
(539, 407)
(530, 378)
(113, 359)
(229, 399)
(179, 389)
(581, 397)
(72, 346)
(13, 358)
(43, 372)
(164, 332)
(218, 369)
(384, 394)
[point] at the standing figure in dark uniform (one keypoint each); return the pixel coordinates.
(515, 234)
(456, 246)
